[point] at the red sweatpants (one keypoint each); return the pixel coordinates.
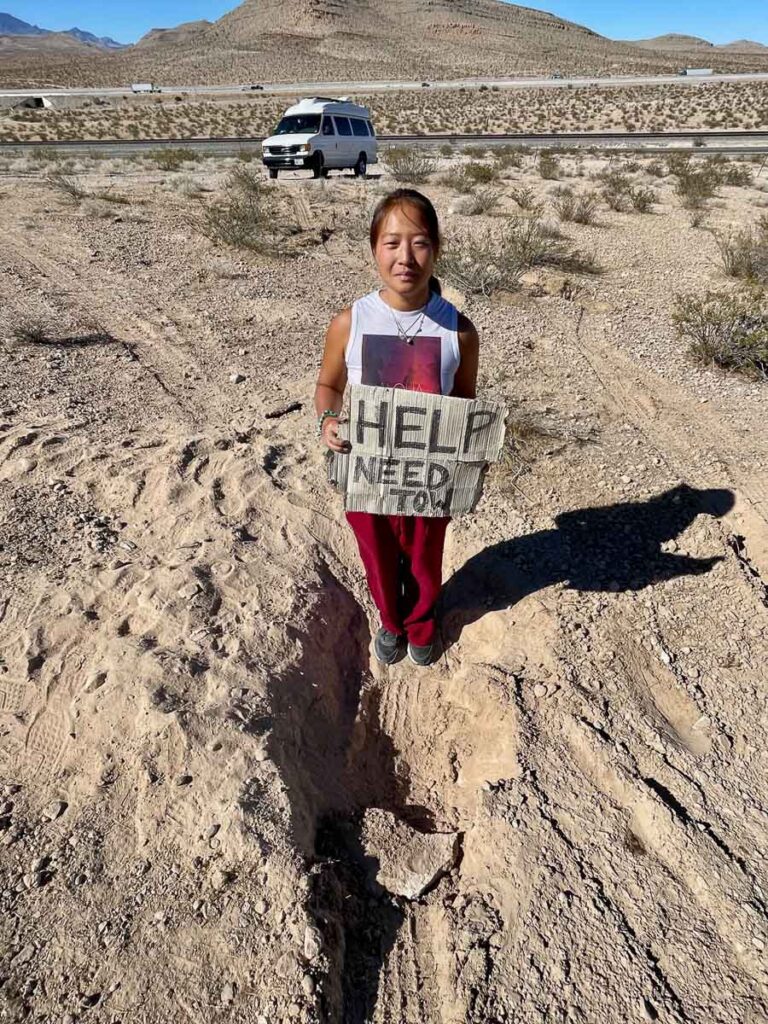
(403, 560)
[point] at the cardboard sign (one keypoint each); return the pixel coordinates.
(414, 453)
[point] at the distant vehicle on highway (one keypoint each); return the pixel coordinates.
(696, 71)
(556, 74)
(246, 88)
(144, 87)
(424, 85)
(322, 133)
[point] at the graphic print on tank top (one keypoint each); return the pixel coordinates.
(389, 362)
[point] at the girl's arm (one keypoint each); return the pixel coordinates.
(332, 379)
(465, 381)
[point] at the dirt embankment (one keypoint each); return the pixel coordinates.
(206, 777)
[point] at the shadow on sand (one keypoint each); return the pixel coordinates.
(612, 548)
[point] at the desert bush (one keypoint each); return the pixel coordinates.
(457, 179)
(524, 197)
(615, 190)
(481, 174)
(695, 187)
(246, 156)
(409, 165)
(173, 158)
(45, 154)
(478, 264)
(66, 186)
(549, 168)
(642, 199)
(656, 169)
(446, 149)
(508, 156)
(532, 242)
(744, 254)
(578, 208)
(31, 331)
(737, 175)
(482, 201)
(726, 330)
(248, 217)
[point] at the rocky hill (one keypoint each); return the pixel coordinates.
(343, 40)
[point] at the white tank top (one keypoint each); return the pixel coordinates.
(376, 355)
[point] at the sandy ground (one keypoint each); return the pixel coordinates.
(706, 105)
(216, 805)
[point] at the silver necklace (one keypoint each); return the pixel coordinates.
(402, 333)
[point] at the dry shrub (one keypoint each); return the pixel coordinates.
(616, 190)
(524, 197)
(725, 330)
(744, 254)
(549, 168)
(579, 209)
(478, 264)
(484, 200)
(249, 217)
(172, 158)
(458, 180)
(481, 174)
(409, 165)
(66, 185)
(642, 199)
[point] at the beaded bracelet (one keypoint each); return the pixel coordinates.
(324, 415)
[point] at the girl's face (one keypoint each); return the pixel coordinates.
(404, 254)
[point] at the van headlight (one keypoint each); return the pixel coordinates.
(305, 148)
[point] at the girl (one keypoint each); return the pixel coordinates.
(404, 334)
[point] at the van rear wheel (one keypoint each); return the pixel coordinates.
(361, 167)
(318, 169)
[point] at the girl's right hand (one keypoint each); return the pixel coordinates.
(330, 435)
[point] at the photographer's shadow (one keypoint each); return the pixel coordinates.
(611, 548)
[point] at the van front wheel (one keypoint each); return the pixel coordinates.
(318, 170)
(361, 167)
(273, 172)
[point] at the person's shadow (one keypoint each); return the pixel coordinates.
(613, 548)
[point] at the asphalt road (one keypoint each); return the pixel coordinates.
(321, 88)
(734, 143)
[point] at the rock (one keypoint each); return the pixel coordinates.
(540, 690)
(313, 943)
(228, 993)
(308, 984)
(409, 861)
(54, 810)
(24, 955)
(183, 780)
(236, 378)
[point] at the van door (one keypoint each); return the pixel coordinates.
(363, 141)
(347, 152)
(327, 142)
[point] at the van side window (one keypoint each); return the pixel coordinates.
(358, 126)
(328, 126)
(342, 125)
(370, 127)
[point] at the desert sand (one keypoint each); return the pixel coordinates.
(216, 805)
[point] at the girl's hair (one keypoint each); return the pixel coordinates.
(402, 197)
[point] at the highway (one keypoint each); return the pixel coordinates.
(334, 88)
(734, 143)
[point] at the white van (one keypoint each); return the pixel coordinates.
(322, 134)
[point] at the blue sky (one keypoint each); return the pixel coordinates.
(713, 19)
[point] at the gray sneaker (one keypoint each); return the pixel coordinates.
(422, 655)
(387, 646)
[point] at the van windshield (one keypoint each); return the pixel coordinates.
(299, 123)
